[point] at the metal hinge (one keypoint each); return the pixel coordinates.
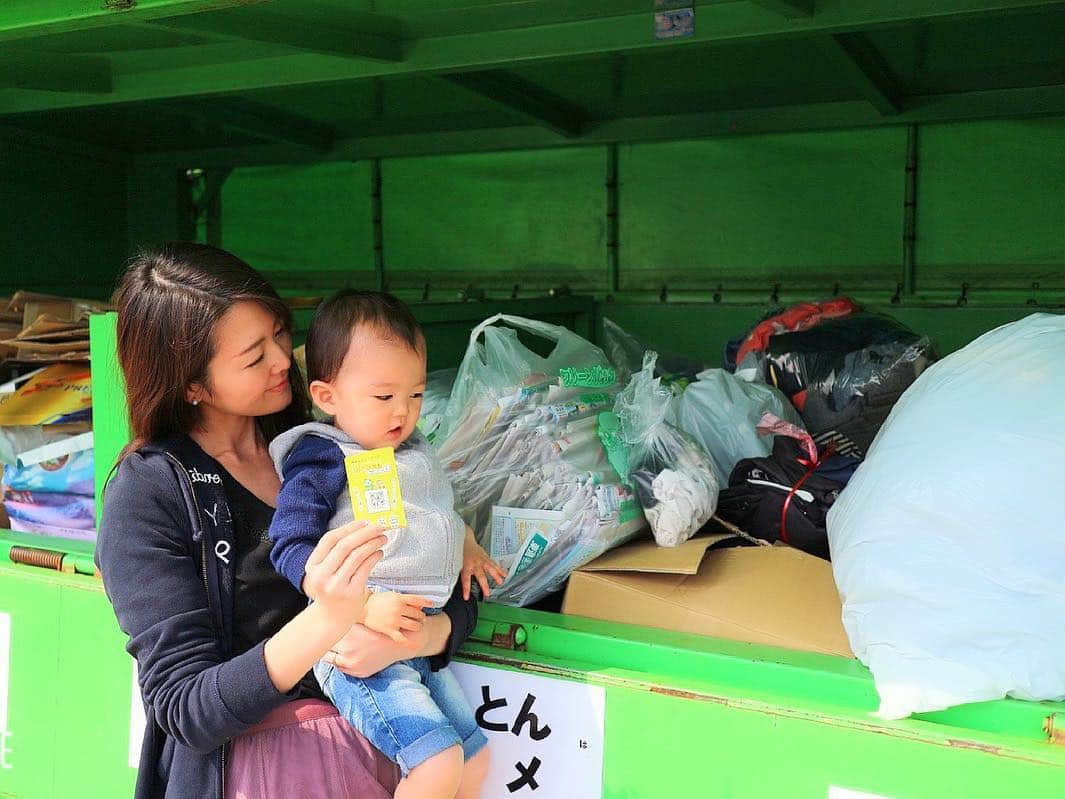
(52, 559)
(509, 636)
(1054, 727)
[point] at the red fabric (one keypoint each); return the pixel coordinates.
(811, 467)
(798, 317)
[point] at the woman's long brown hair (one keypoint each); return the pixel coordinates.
(169, 302)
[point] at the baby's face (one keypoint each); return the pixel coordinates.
(377, 394)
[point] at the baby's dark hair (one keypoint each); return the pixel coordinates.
(337, 318)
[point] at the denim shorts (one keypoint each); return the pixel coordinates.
(408, 711)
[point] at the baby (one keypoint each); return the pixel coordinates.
(366, 363)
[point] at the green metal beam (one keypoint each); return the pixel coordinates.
(523, 98)
(855, 56)
(51, 143)
(21, 19)
(789, 8)
(260, 121)
(270, 28)
(1013, 103)
(56, 72)
(731, 22)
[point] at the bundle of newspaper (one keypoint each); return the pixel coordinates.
(532, 478)
(521, 441)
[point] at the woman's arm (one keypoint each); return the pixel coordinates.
(336, 573)
(192, 692)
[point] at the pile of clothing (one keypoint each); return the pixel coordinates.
(46, 449)
(842, 368)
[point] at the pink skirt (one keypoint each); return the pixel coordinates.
(305, 750)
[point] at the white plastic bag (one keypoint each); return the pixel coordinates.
(673, 478)
(947, 545)
(721, 412)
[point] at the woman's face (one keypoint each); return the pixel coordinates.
(248, 374)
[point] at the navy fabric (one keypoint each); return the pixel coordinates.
(314, 477)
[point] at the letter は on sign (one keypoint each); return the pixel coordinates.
(545, 736)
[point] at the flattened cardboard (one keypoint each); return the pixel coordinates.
(646, 556)
(764, 595)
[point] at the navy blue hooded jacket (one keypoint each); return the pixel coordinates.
(163, 550)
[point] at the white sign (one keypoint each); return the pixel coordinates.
(5, 681)
(545, 736)
(136, 722)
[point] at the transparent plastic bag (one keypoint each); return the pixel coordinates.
(523, 452)
(673, 478)
(722, 412)
(434, 402)
(947, 545)
(491, 370)
(626, 352)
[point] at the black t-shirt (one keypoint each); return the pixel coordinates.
(264, 601)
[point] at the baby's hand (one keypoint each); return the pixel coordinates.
(393, 614)
(476, 563)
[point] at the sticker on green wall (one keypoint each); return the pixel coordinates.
(676, 24)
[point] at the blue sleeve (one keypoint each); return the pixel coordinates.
(313, 478)
(190, 690)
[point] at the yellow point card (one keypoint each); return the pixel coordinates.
(373, 481)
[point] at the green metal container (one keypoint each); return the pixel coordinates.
(575, 706)
(518, 156)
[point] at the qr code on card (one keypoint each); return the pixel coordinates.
(377, 501)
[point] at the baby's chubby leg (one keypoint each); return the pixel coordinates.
(438, 777)
(473, 776)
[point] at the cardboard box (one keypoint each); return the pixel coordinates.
(764, 595)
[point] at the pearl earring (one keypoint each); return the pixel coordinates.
(195, 402)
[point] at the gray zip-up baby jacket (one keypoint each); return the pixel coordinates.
(423, 558)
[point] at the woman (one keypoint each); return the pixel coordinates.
(224, 645)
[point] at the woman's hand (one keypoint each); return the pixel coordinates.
(477, 565)
(338, 568)
(363, 652)
(335, 578)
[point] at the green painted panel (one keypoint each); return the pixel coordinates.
(64, 227)
(989, 204)
(300, 218)
(529, 218)
(798, 208)
(655, 742)
(28, 759)
(93, 664)
(111, 430)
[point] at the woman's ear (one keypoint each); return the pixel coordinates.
(195, 394)
(322, 397)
